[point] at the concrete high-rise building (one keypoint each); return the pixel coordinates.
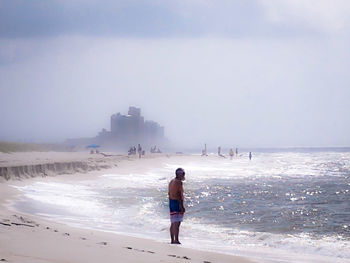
(133, 128)
(127, 130)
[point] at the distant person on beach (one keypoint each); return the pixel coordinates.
(153, 149)
(132, 150)
(139, 150)
(176, 205)
(219, 152)
(204, 151)
(250, 155)
(236, 151)
(231, 153)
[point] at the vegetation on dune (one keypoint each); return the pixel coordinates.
(8, 147)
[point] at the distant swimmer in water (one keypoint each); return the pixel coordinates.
(250, 155)
(231, 153)
(204, 151)
(176, 204)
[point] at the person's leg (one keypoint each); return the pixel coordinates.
(172, 234)
(176, 232)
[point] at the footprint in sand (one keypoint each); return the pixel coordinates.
(141, 250)
(184, 257)
(23, 220)
(21, 224)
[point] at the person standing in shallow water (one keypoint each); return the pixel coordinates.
(176, 204)
(231, 153)
(250, 155)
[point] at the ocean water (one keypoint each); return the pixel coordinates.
(280, 206)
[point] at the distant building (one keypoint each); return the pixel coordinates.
(132, 129)
(127, 130)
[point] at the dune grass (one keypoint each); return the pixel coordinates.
(8, 147)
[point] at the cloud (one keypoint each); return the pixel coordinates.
(21, 18)
(325, 16)
(175, 18)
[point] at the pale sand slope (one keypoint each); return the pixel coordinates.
(32, 164)
(26, 239)
(30, 158)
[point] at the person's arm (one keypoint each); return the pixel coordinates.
(182, 207)
(169, 190)
(183, 210)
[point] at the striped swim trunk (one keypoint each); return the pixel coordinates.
(175, 211)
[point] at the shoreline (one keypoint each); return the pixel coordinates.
(29, 238)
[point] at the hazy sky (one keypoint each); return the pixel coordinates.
(257, 73)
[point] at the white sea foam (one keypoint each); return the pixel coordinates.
(135, 204)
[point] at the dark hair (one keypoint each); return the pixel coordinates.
(179, 171)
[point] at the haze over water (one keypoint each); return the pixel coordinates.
(280, 204)
(254, 73)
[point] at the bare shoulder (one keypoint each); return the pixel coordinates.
(178, 183)
(175, 183)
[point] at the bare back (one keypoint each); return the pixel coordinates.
(175, 190)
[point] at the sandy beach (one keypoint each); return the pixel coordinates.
(26, 238)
